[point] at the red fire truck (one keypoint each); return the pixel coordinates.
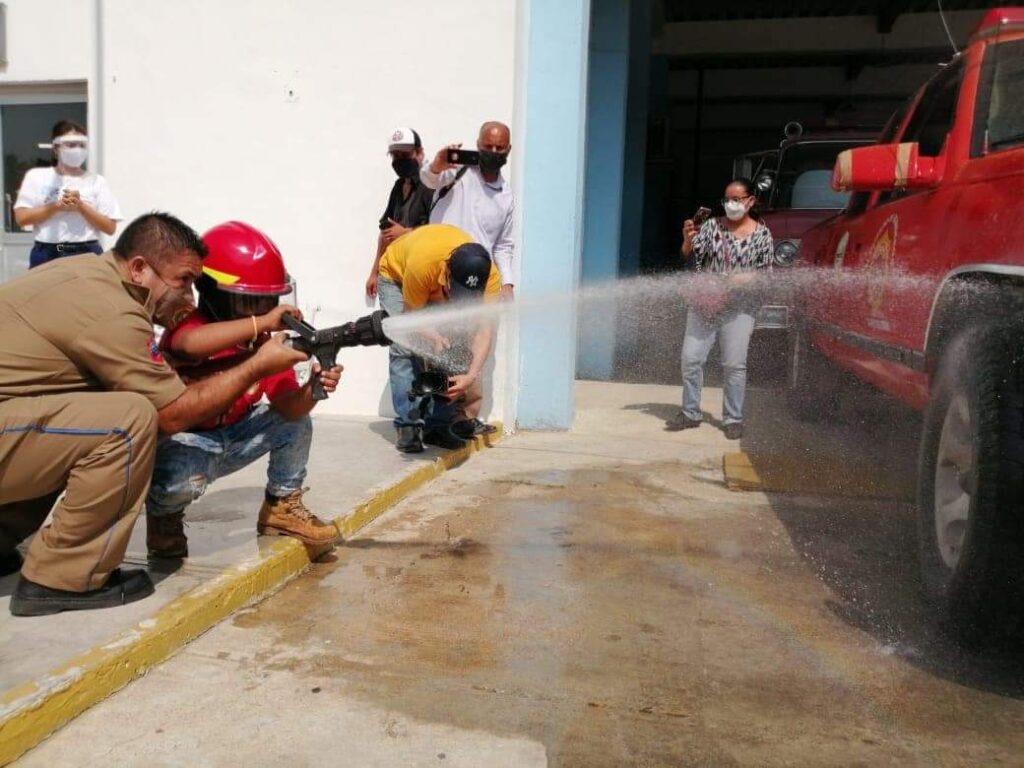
(919, 291)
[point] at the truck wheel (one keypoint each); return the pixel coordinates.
(971, 484)
(812, 383)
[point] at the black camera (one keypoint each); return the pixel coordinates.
(429, 384)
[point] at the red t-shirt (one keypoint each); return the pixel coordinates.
(272, 386)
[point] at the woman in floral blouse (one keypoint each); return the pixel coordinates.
(733, 248)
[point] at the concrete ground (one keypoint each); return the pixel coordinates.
(587, 599)
(352, 456)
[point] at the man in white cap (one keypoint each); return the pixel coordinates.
(409, 203)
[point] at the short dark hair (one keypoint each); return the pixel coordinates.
(66, 126)
(744, 182)
(159, 237)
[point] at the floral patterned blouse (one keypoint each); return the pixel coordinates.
(716, 249)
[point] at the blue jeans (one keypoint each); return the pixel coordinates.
(44, 252)
(403, 367)
(735, 328)
(186, 463)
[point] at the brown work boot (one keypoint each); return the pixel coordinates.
(165, 536)
(288, 516)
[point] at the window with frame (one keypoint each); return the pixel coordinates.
(932, 120)
(999, 113)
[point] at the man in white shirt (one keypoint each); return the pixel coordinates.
(478, 199)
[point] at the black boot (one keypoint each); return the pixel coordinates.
(410, 439)
(470, 428)
(442, 437)
(123, 587)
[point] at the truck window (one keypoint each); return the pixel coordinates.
(932, 121)
(933, 118)
(999, 113)
(805, 174)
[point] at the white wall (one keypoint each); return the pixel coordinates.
(277, 112)
(48, 40)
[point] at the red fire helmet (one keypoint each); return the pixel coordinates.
(242, 259)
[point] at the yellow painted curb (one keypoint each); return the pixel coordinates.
(31, 712)
(812, 475)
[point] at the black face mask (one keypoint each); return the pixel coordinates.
(491, 162)
(406, 167)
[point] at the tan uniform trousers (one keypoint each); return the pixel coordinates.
(98, 447)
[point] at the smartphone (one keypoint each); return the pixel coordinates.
(702, 215)
(463, 157)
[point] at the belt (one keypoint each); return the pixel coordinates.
(61, 247)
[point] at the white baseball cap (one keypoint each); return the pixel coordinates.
(404, 138)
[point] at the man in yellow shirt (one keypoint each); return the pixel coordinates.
(433, 264)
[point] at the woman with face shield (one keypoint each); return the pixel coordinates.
(731, 252)
(65, 205)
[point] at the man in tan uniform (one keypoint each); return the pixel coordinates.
(84, 391)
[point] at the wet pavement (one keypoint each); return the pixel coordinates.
(588, 599)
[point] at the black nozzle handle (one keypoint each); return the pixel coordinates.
(317, 390)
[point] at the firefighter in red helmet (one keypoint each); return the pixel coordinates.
(243, 280)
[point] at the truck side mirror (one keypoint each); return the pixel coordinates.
(764, 182)
(884, 167)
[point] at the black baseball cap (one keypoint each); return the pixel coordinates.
(469, 267)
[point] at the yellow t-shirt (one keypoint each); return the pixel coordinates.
(418, 262)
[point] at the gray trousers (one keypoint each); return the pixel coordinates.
(734, 329)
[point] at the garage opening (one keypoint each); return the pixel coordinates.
(684, 96)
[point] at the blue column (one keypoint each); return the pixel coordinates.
(606, 141)
(552, 106)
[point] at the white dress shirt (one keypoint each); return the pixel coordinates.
(481, 208)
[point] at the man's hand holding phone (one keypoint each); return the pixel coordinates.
(441, 163)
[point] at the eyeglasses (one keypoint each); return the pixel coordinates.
(736, 199)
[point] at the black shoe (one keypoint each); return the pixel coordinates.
(123, 587)
(410, 439)
(10, 562)
(733, 431)
(442, 437)
(470, 428)
(680, 422)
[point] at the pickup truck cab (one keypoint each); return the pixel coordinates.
(918, 290)
(794, 182)
(794, 190)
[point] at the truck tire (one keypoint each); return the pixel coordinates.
(971, 484)
(812, 386)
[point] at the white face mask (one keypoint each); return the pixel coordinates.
(73, 157)
(734, 209)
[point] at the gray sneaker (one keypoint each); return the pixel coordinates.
(680, 422)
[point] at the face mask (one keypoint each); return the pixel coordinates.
(491, 162)
(734, 209)
(406, 167)
(172, 307)
(73, 157)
